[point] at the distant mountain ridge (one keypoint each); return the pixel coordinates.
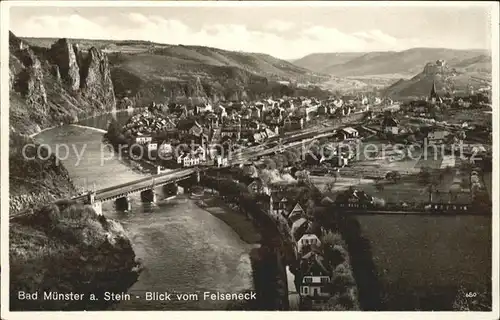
(407, 62)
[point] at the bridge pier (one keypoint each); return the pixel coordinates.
(148, 195)
(171, 189)
(123, 204)
(97, 206)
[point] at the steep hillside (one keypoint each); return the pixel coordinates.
(407, 62)
(58, 246)
(50, 85)
(447, 79)
(145, 71)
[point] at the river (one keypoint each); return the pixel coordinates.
(183, 247)
(421, 260)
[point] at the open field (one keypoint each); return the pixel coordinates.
(408, 189)
(377, 158)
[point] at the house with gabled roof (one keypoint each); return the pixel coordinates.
(220, 111)
(259, 187)
(299, 228)
(437, 136)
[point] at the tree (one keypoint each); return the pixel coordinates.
(291, 156)
(424, 175)
(330, 186)
(462, 135)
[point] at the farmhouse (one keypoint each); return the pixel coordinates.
(293, 123)
(258, 187)
(437, 137)
(277, 203)
(390, 125)
(295, 214)
(299, 227)
(316, 277)
(143, 139)
(346, 133)
(187, 160)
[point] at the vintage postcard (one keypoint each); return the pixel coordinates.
(249, 156)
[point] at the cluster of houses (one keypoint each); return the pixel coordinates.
(162, 126)
(315, 273)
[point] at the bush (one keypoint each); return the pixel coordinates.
(331, 239)
(342, 278)
(342, 251)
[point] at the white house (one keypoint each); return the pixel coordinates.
(188, 160)
(206, 107)
(347, 133)
(307, 239)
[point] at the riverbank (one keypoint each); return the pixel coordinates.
(77, 123)
(90, 128)
(60, 247)
(240, 223)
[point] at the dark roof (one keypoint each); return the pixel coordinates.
(434, 91)
(390, 122)
(186, 124)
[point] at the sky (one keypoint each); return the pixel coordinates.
(284, 32)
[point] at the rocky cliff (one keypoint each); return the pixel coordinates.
(66, 248)
(57, 84)
(59, 245)
(447, 79)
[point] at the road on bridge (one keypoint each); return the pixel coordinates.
(144, 183)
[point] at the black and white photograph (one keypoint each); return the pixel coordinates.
(249, 156)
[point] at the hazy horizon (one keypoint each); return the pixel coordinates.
(284, 32)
